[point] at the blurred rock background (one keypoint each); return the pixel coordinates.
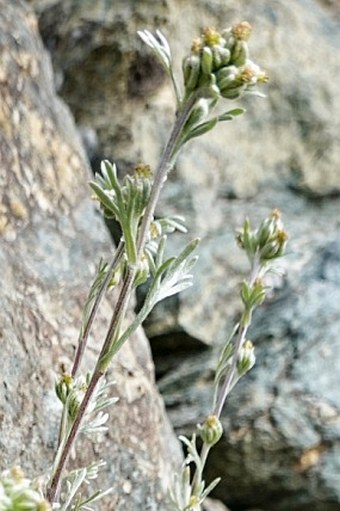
(281, 447)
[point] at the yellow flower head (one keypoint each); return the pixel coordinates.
(242, 31)
(211, 36)
(142, 170)
(197, 45)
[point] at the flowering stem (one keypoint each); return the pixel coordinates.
(227, 384)
(165, 165)
(242, 332)
(228, 381)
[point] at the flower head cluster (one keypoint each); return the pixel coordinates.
(268, 242)
(219, 63)
(17, 493)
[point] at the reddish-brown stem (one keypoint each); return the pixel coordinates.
(163, 168)
(82, 342)
(54, 486)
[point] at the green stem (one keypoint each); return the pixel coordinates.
(163, 169)
(228, 381)
(199, 471)
(242, 332)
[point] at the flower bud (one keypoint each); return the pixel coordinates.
(276, 247)
(207, 60)
(74, 401)
(17, 473)
(44, 506)
(142, 170)
(233, 92)
(239, 53)
(143, 271)
(246, 358)
(217, 58)
(64, 386)
(17, 493)
(224, 54)
(271, 237)
(265, 232)
(252, 295)
(191, 72)
(211, 430)
(228, 38)
(226, 77)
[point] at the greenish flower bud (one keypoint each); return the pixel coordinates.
(258, 292)
(266, 232)
(44, 506)
(74, 401)
(17, 493)
(229, 39)
(143, 171)
(271, 237)
(207, 60)
(116, 278)
(268, 241)
(246, 358)
(191, 72)
(211, 430)
(233, 92)
(143, 271)
(225, 55)
(64, 386)
(239, 53)
(217, 58)
(276, 247)
(226, 77)
(221, 57)
(17, 473)
(252, 295)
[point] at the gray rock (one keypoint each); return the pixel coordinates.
(51, 239)
(280, 448)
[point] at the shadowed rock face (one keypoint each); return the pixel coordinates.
(51, 240)
(280, 449)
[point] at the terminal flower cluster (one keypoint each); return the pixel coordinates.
(219, 63)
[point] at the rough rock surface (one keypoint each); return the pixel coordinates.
(281, 448)
(51, 239)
